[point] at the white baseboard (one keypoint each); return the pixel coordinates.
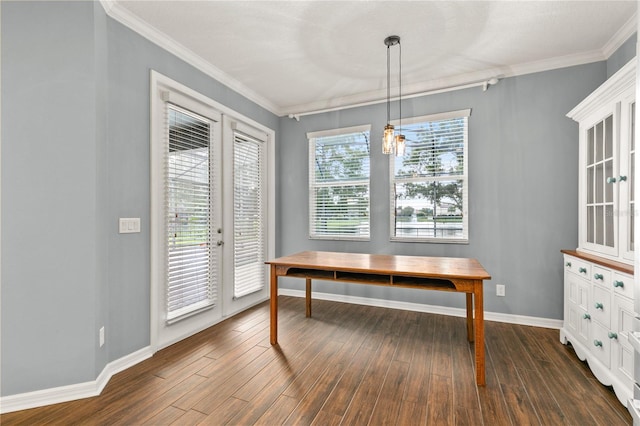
(60, 394)
(432, 309)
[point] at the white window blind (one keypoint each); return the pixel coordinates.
(191, 276)
(429, 183)
(248, 214)
(339, 184)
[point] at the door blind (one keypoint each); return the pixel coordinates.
(248, 215)
(191, 278)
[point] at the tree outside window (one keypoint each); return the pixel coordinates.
(339, 185)
(429, 183)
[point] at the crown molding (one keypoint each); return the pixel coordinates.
(120, 14)
(131, 21)
(458, 82)
(622, 35)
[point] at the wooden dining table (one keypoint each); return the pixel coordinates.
(461, 275)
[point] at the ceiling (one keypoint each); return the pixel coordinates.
(294, 57)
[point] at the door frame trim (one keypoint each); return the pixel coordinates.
(161, 89)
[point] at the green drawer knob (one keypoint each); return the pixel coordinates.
(622, 178)
(597, 343)
(598, 276)
(598, 305)
(582, 270)
(568, 264)
(611, 180)
(586, 316)
(617, 283)
(613, 335)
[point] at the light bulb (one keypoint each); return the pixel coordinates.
(387, 139)
(400, 145)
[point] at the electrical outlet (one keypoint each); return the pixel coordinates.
(499, 289)
(101, 333)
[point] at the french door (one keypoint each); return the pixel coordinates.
(245, 215)
(209, 213)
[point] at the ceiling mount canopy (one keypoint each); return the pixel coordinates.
(392, 142)
(392, 40)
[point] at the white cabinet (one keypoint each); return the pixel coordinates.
(598, 275)
(606, 174)
(598, 316)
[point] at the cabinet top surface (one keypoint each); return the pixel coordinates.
(618, 266)
(445, 267)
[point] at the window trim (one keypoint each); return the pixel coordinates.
(311, 137)
(463, 113)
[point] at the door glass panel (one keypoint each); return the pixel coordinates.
(590, 223)
(191, 282)
(590, 145)
(599, 183)
(248, 216)
(599, 133)
(590, 183)
(599, 231)
(609, 187)
(608, 220)
(608, 137)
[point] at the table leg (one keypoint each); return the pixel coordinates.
(479, 333)
(308, 297)
(469, 316)
(274, 306)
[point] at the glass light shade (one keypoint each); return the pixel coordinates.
(400, 145)
(387, 139)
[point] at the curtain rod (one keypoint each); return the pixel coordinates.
(484, 83)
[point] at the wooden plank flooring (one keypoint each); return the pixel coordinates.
(351, 365)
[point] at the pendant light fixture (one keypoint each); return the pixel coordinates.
(392, 143)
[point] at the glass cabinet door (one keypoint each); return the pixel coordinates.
(600, 185)
(626, 178)
(607, 120)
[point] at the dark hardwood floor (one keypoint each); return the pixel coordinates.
(349, 365)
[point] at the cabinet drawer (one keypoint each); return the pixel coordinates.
(577, 266)
(601, 276)
(600, 308)
(600, 343)
(622, 284)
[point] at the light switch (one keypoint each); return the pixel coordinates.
(129, 225)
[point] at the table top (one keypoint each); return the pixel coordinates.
(416, 266)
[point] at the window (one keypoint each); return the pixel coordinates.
(339, 184)
(191, 263)
(429, 183)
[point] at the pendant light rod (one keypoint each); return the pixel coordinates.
(391, 141)
(390, 41)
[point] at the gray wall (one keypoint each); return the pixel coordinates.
(622, 55)
(50, 93)
(523, 178)
(75, 158)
